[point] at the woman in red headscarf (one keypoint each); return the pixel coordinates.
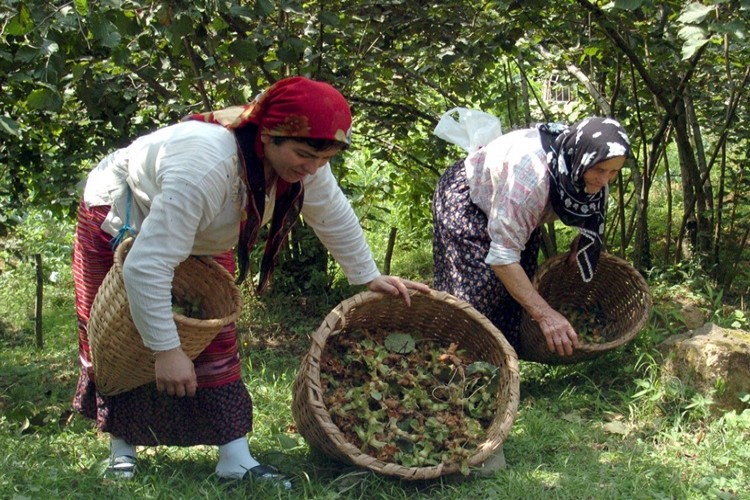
(203, 187)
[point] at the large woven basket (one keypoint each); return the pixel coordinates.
(120, 360)
(617, 289)
(442, 315)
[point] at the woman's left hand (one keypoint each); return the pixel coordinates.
(397, 286)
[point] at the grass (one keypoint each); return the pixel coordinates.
(609, 428)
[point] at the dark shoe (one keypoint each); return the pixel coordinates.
(122, 467)
(268, 474)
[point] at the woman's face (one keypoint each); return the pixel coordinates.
(602, 174)
(294, 160)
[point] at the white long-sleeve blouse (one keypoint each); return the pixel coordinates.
(509, 182)
(187, 199)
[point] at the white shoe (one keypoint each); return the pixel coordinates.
(122, 467)
(494, 463)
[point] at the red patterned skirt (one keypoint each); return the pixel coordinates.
(221, 410)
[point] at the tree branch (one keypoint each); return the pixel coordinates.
(198, 77)
(161, 90)
(581, 76)
(390, 147)
(614, 35)
(400, 108)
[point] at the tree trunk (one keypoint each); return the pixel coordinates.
(703, 167)
(695, 224)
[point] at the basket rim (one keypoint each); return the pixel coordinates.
(335, 322)
(119, 261)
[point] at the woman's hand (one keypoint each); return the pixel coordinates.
(394, 285)
(558, 332)
(175, 373)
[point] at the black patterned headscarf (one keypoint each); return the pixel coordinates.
(571, 151)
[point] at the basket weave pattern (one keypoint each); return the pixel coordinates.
(120, 360)
(440, 314)
(617, 287)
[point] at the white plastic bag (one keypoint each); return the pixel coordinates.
(472, 130)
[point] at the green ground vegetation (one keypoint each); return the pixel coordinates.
(609, 428)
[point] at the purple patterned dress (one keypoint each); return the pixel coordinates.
(460, 245)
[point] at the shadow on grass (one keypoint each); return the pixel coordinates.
(558, 446)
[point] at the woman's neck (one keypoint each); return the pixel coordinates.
(270, 175)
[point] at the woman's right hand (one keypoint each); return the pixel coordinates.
(560, 335)
(558, 332)
(175, 373)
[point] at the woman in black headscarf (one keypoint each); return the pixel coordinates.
(489, 207)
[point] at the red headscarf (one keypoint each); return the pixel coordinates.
(293, 107)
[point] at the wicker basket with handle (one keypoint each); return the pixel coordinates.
(617, 290)
(446, 318)
(120, 360)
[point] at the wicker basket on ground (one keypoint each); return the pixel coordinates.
(120, 360)
(445, 317)
(617, 290)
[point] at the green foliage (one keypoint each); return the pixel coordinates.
(611, 426)
(39, 233)
(302, 265)
(687, 282)
(80, 79)
(668, 400)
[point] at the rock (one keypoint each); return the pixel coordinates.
(708, 358)
(692, 316)
(680, 312)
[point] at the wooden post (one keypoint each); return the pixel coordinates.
(389, 251)
(39, 300)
